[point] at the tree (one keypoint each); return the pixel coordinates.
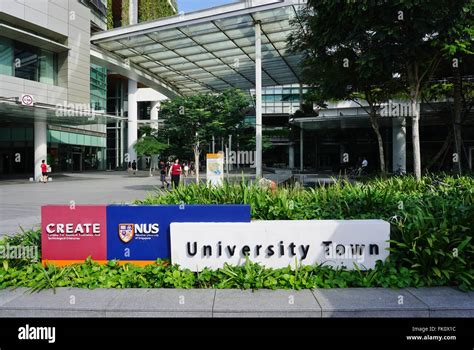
(458, 52)
(409, 35)
(149, 144)
(341, 66)
(191, 122)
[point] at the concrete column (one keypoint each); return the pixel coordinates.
(155, 106)
(117, 144)
(258, 100)
(40, 142)
(301, 148)
(122, 142)
(291, 156)
(399, 140)
(133, 12)
(132, 120)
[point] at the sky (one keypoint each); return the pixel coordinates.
(195, 5)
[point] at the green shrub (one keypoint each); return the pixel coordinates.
(431, 239)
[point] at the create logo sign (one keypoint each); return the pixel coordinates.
(69, 230)
(140, 231)
(73, 234)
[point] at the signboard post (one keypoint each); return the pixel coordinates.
(215, 169)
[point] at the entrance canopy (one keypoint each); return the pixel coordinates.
(213, 49)
(13, 112)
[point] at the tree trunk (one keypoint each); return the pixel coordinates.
(375, 127)
(457, 120)
(415, 130)
(196, 162)
(415, 83)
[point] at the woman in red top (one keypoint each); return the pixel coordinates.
(175, 172)
(44, 171)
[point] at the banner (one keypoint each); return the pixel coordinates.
(215, 169)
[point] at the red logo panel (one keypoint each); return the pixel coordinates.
(73, 233)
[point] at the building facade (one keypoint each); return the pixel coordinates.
(45, 58)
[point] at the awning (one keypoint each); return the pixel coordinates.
(28, 38)
(214, 49)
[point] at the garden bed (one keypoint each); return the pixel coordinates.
(432, 223)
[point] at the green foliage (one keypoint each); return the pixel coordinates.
(431, 239)
(149, 143)
(154, 9)
(30, 239)
(125, 13)
(193, 120)
(110, 17)
(432, 219)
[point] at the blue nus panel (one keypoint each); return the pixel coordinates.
(131, 230)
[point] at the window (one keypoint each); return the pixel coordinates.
(27, 62)
(6, 56)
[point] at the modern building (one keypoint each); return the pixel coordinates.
(53, 96)
(78, 77)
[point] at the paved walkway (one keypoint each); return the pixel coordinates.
(349, 302)
(21, 200)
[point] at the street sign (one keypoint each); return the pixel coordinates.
(27, 100)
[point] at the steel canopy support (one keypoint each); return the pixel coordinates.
(258, 100)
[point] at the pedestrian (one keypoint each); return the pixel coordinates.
(363, 166)
(129, 167)
(163, 175)
(175, 172)
(186, 169)
(134, 167)
(44, 171)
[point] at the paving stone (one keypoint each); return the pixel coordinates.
(62, 302)
(445, 301)
(8, 294)
(162, 303)
(265, 303)
(369, 302)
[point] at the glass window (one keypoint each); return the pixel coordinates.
(268, 98)
(46, 67)
(6, 56)
(26, 61)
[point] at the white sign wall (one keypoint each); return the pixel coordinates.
(280, 243)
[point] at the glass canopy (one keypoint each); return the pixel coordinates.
(214, 49)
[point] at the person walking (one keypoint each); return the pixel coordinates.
(134, 166)
(186, 169)
(163, 175)
(44, 171)
(175, 172)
